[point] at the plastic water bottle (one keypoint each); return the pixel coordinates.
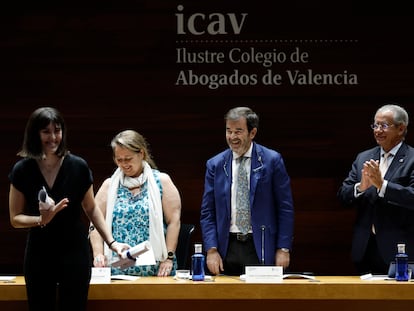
(401, 264)
(197, 263)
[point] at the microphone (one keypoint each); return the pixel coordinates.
(42, 195)
(262, 260)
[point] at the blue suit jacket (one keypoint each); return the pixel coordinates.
(392, 215)
(272, 213)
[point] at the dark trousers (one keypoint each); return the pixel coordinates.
(239, 255)
(372, 262)
(44, 294)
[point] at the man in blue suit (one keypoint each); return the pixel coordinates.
(269, 234)
(381, 186)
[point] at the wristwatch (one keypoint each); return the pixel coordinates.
(286, 250)
(170, 255)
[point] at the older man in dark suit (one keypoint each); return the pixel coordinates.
(381, 186)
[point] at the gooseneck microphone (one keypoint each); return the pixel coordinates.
(262, 259)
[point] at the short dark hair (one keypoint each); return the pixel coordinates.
(252, 119)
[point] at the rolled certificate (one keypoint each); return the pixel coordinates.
(129, 256)
(137, 250)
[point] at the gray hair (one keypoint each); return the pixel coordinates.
(400, 115)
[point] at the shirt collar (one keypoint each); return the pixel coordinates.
(393, 151)
(247, 154)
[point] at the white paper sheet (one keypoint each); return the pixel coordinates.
(124, 277)
(100, 275)
(375, 277)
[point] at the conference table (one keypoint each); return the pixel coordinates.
(231, 293)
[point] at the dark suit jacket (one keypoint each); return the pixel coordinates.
(392, 215)
(270, 200)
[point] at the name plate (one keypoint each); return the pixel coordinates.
(264, 274)
(101, 275)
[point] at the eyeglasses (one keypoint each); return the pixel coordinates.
(383, 126)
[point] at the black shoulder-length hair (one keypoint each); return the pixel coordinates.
(40, 119)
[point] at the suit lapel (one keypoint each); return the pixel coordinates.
(256, 170)
(397, 162)
(375, 154)
(228, 167)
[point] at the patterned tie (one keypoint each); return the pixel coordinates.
(242, 198)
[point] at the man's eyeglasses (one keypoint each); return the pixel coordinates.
(384, 126)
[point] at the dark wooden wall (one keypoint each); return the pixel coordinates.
(112, 67)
